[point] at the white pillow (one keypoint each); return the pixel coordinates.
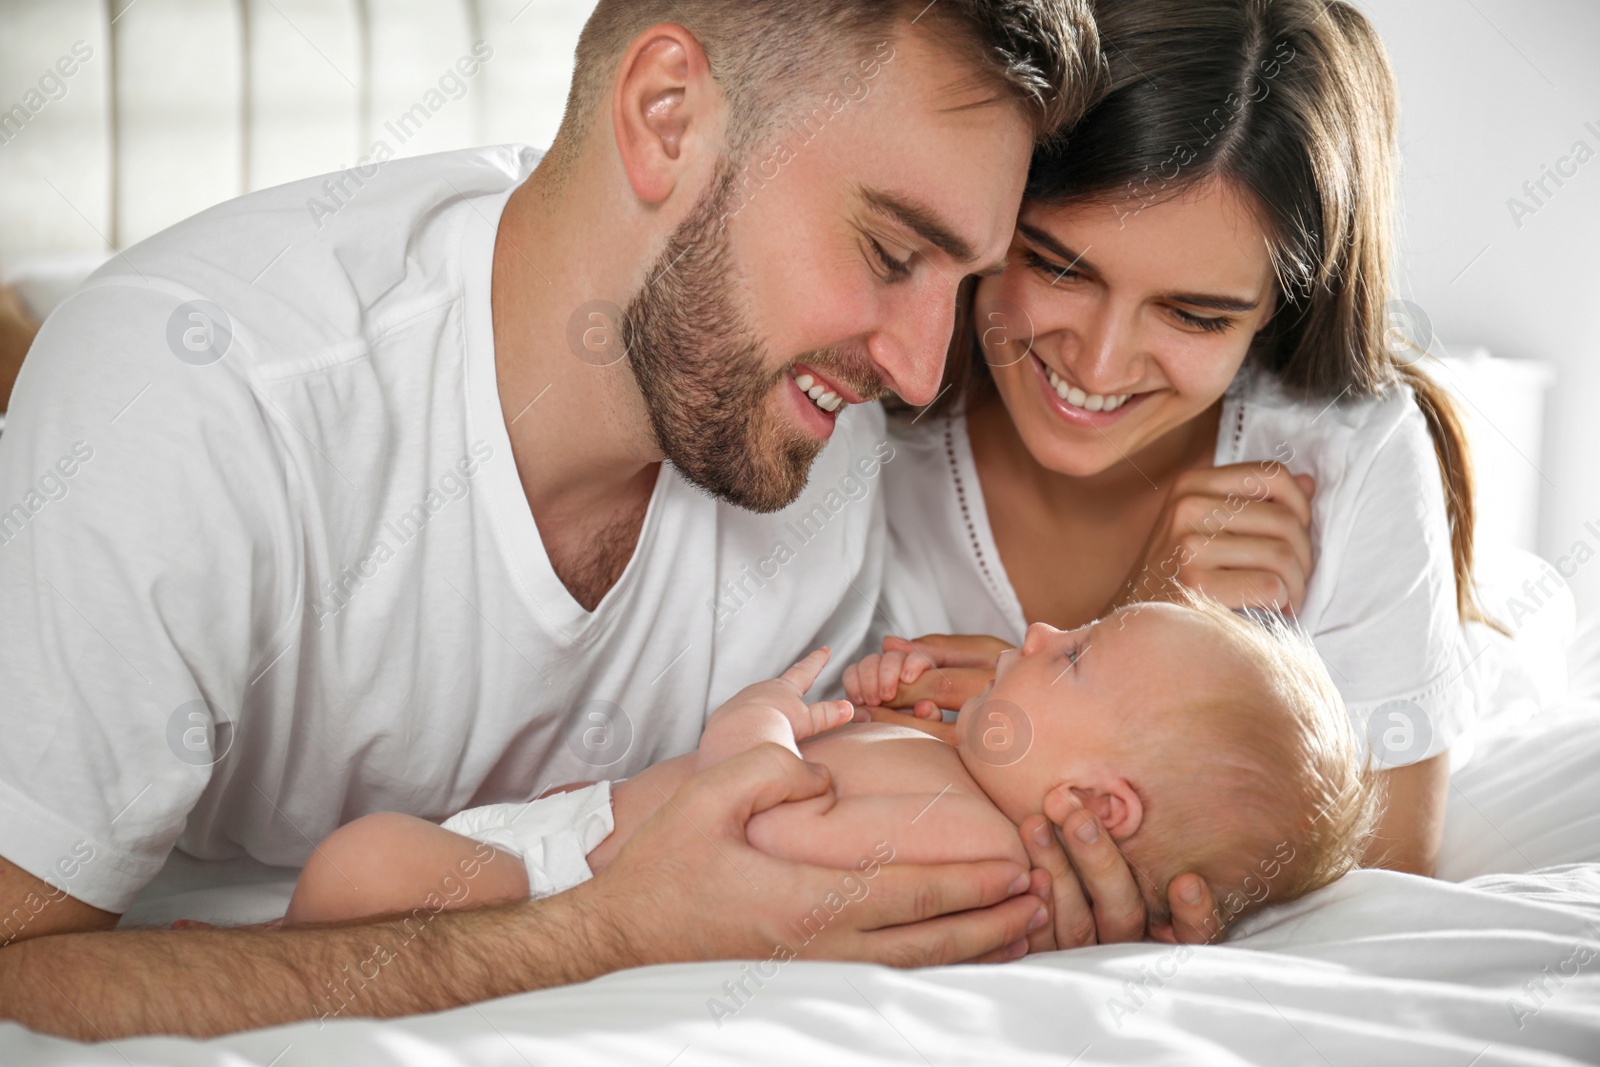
(1529, 799)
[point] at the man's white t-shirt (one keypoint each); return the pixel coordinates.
(1380, 604)
(246, 599)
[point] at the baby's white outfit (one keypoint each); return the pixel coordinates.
(553, 836)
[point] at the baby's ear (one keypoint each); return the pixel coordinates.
(1112, 800)
(1126, 809)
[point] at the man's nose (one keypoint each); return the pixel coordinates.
(910, 349)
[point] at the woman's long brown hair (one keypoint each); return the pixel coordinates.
(1293, 101)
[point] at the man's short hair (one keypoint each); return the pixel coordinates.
(766, 54)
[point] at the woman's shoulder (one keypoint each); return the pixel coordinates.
(1336, 439)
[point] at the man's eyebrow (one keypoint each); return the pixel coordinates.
(923, 222)
(1077, 263)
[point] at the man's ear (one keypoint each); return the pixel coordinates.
(664, 106)
(1112, 799)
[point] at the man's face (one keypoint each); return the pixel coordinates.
(822, 269)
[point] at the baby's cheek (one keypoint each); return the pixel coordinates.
(1015, 797)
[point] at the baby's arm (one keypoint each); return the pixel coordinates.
(774, 711)
(915, 828)
(389, 864)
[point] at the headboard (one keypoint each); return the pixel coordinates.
(121, 117)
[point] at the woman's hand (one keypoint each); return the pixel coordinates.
(1093, 897)
(1239, 534)
(932, 672)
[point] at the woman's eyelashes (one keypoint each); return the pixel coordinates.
(1052, 272)
(1201, 322)
(1055, 273)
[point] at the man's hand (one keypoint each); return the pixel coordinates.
(689, 886)
(1094, 895)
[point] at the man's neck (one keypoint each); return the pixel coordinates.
(579, 432)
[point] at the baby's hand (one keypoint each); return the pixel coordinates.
(961, 665)
(775, 711)
(876, 680)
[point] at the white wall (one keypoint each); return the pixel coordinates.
(1493, 91)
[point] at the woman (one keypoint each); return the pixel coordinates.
(1184, 377)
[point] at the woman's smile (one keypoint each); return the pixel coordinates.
(1076, 407)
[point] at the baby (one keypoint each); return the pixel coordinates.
(1201, 740)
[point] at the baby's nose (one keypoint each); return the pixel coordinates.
(1039, 634)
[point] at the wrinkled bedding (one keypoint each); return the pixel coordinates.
(1497, 962)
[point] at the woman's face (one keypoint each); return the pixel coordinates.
(1111, 327)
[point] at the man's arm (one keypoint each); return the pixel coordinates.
(688, 886)
(102, 986)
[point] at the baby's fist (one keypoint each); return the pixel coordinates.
(876, 680)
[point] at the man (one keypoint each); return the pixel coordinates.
(17, 330)
(464, 489)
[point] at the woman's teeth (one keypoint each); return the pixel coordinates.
(820, 394)
(1080, 399)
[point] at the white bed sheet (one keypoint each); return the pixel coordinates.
(1498, 962)
(1380, 968)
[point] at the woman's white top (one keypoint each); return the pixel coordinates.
(1381, 602)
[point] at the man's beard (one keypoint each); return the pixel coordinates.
(705, 376)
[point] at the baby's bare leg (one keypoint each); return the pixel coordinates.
(389, 864)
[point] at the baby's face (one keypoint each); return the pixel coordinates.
(1060, 708)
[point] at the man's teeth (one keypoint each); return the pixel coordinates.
(820, 394)
(1080, 399)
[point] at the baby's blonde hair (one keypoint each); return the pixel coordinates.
(1264, 790)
